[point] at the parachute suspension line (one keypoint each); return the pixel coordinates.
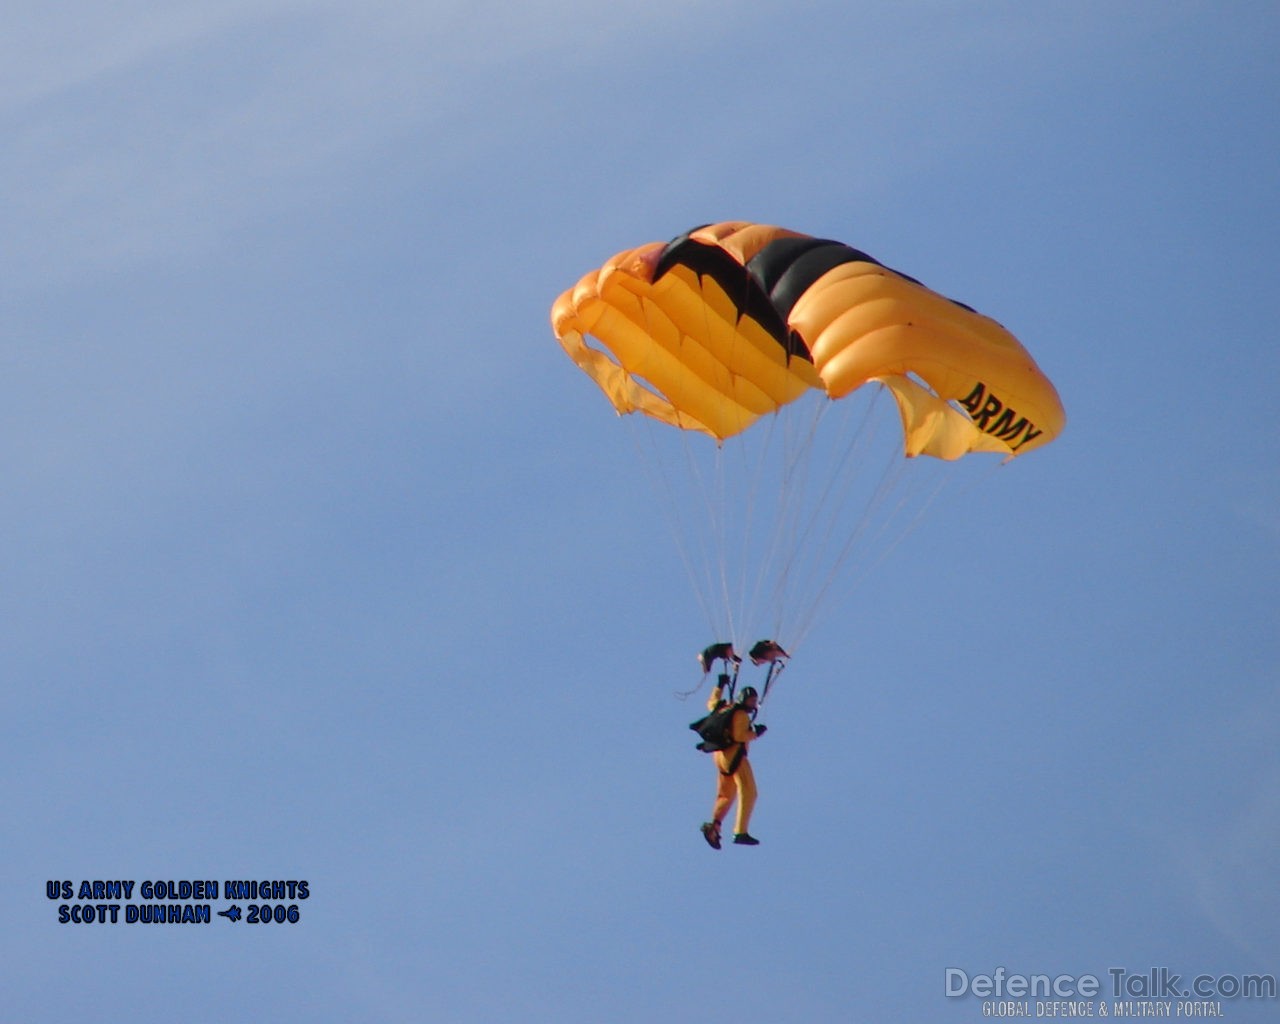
(948, 483)
(841, 518)
(885, 524)
(869, 533)
(757, 470)
(665, 491)
(813, 509)
(719, 509)
(947, 476)
(775, 468)
(732, 458)
(770, 469)
(859, 537)
(794, 485)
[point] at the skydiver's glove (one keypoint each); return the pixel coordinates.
(760, 729)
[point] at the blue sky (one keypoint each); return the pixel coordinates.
(322, 562)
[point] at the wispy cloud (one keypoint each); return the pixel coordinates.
(151, 128)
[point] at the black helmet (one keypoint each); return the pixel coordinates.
(745, 692)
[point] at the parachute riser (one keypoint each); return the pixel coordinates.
(775, 670)
(733, 680)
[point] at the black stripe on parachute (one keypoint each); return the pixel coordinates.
(788, 267)
(767, 288)
(709, 260)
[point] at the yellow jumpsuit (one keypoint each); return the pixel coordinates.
(742, 783)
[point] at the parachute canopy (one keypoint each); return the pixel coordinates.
(729, 322)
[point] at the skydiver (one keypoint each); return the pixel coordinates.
(734, 778)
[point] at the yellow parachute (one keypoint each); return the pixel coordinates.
(731, 321)
(736, 323)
